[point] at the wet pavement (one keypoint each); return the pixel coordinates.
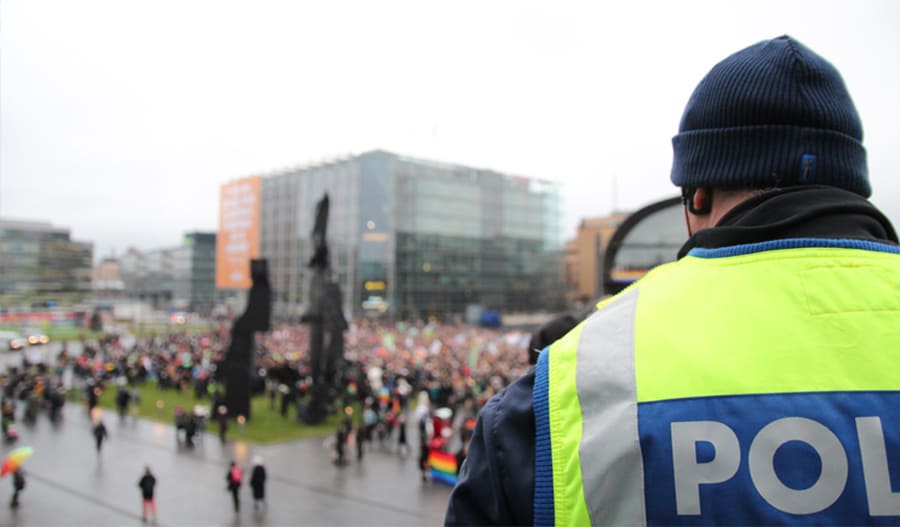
(69, 484)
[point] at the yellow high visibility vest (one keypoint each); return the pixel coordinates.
(754, 384)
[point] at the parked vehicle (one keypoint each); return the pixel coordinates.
(36, 337)
(12, 341)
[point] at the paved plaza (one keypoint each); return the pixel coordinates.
(68, 484)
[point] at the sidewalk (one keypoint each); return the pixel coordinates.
(67, 484)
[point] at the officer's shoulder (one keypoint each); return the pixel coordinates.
(659, 274)
(512, 402)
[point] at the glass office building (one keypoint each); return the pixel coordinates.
(41, 265)
(415, 238)
(181, 277)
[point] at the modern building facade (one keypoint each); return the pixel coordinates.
(106, 279)
(40, 264)
(584, 256)
(415, 238)
(181, 277)
(196, 259)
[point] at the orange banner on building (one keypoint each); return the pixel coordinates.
(238, 238)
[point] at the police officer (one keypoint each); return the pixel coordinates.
(753, 381)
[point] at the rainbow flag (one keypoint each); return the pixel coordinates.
(443, 466)
(627, 275)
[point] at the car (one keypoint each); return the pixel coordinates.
(36, 337)
(12, 340)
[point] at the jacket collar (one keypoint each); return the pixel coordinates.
(812, 211)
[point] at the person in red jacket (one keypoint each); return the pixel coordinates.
(234, 477)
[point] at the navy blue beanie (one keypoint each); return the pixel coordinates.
(774, 114)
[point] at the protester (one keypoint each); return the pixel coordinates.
(258, 483)
(682, 399)
(340, 441)
(123, 398)
(92, 397)
(100, 434)
(234, 477)
(424, 443)
(18, 481)
(385, 365)
(7, 416)
(402, 446)
(190, 430)
(360, 439)
(147, 485)
(222, 419)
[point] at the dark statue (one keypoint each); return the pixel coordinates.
(327, 325)
(238, 362)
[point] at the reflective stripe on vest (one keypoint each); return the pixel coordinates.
(751, 385)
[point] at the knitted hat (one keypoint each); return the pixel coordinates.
(774, 114)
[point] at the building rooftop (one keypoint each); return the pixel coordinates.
(292, 169)
(31, 225)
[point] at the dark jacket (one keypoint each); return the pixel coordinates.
(100, 432)
(258, 482)
(147, 483)
(18, 480)
(496, 483)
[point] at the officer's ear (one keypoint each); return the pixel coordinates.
(698, 200)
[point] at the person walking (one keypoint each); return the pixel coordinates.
(7, 417)
(100, 434)
(402, 445)
(92, 396)
(222, 418)
(753, 380)
(147, 484)
(362, 435)
(234, 477)
(18, 481)
(424, 448)
(340, 441)
(190, 430)
(258, 483)
(422, 416)
(123, 398)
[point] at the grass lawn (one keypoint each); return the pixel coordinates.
(144, 330)
(266, 427)
(57, 333)
(65, 333)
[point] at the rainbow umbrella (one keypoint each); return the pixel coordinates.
(14, 460)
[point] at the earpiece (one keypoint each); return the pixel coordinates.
(687, 197)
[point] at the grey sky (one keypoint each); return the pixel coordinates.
(121, 119)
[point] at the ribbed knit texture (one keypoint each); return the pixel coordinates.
(544, 511)
(774, 114)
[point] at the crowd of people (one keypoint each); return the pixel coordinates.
(454, 369)
(395, 377)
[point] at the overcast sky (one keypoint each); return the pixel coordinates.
(120, 119)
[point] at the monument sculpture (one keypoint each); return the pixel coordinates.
(327, 325)
(238, 362)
